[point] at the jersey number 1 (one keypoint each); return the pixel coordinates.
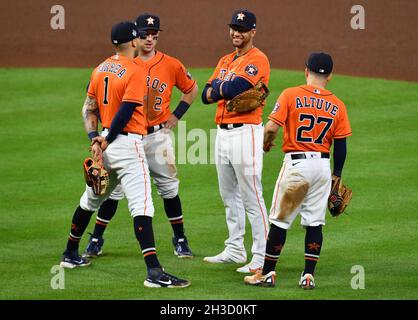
(106, 85)
(310, 126)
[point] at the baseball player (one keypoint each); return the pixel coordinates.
(115, 94)
(312, 118)
(239, 141)
(162, 73)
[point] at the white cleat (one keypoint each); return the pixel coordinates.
(251, 267)
(223, 257)
(307, 281)
(257, 279)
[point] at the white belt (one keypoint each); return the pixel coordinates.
(128, 134)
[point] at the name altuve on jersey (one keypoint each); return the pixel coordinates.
(317, 103)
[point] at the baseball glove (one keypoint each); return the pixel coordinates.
(339, 197)
(250, 99)
(96, 176)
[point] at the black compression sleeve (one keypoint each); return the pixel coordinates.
(340, 153)
(121, 119)
(234, 87)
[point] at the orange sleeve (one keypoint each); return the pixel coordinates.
(342, 128)
(92, 85)
(280, 111)
(134, 91)
(216, 72)
(184, 81)
(257, 67)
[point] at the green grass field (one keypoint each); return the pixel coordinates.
(43, 144)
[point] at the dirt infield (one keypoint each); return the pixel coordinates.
(196, 33)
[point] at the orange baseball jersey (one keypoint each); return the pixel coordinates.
(162, 74)
(115, 80)
(311, 118)
(252, 66)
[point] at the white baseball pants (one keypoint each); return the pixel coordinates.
(125, 160)
(239, 164)
(303, 186)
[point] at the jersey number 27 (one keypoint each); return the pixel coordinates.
(312, 121)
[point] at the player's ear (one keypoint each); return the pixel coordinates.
(306, 73)
(134, 42)
(329, 77)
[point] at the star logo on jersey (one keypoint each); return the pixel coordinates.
(189, 75)
(240, 16)
(314, 246)
(317, 91)
(251, 70)
(150, 20)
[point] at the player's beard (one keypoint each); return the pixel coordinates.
(147, 47)
(240, 42)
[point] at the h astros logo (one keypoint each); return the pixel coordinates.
(251, 70)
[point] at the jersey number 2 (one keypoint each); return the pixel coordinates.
(310, 126)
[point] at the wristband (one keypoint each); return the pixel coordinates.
(216, 85)
(181, 109)
(93, 134)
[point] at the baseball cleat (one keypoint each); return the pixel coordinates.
(251, 267)
(158, 278)
(258, 279)
(223, 257)
(307, 281)
(71, 260)
(181, 248)
(94, 247)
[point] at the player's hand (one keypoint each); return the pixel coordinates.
(101, 141)
(97, 153)
(171, 122)
(268, 145)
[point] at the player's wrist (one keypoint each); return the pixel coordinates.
(181, 109)
(216, 84)
(215, 96)
(337, 173)
(93, 134)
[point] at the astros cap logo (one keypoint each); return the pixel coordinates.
(240, 16)
(150, 20)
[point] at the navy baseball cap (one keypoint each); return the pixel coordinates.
(244, 19)
(124, 32)
(148, 21)
(320, 62)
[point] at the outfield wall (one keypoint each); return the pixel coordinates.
(196, 32)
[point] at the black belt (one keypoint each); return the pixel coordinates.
(155, 128)
(230, 125)
(303, 156)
